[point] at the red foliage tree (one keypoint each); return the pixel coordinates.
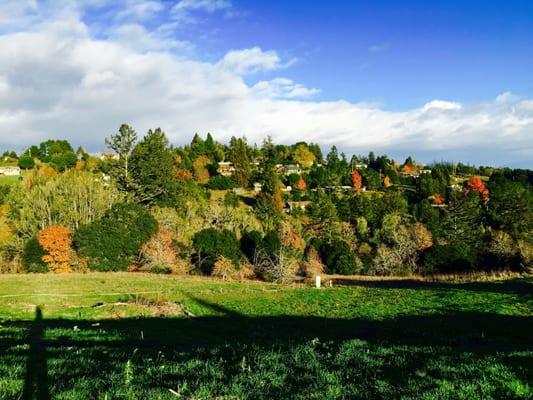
(357, 181)
(438, 199)
(475, 183)
(301, 185)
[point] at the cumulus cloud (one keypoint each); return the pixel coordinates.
(57, 80)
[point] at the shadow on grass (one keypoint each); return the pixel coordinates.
(36, 380)
(476, 333)
(512, 286)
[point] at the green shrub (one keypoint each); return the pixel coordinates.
(111, 243)
(231, 199)
(26, 162)
(220, 182)
(338, 258)
(32, 257)
(210, 244)
(249, 243)
(449, 258)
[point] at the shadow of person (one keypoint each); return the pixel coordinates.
(36, 380)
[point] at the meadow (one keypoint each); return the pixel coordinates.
(140, 336)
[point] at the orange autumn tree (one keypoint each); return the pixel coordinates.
(357, 180)
(438, 199)
(56, 241)
(475, 183)
(301, 185)
(386, 181)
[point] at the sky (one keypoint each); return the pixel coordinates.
(440, 80)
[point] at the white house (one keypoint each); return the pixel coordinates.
(10, 171)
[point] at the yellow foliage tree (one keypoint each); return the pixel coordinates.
(199, 170)
(303, 156)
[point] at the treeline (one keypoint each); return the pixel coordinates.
(270, 211)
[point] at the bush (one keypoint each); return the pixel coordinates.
(231, 199)
(32, 257)
(210, 244)
(26, 162)
(449, 258)
(224, 269)
(158, 255)
(111, 243)
(339, 258)
(221, 182)
(249, 243)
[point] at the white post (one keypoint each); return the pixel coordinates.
(317, 281)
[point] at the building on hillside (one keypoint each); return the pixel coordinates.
(109, 156)
(225, 168)
(291, 169)
(10, 171)
(258, 187)
(292, 205)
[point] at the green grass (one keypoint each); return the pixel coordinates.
(9, 180)
(132, 336)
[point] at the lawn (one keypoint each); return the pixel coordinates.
(133, 336)
(9, 180)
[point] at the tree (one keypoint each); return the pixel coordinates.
(112, 242)
(56, 241)
(153, 170)
(301, 185)
(72, 199)
(26, 162)
(324, 214)
(303, 156)
(239, 155)
(199, 170)
(210, 244)
(510, 207)
(57, 153)
(339, 258)
(475, 183)
(357, 181)
(122, 143)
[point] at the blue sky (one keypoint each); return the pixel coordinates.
(436, 79)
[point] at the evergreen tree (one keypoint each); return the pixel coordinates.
(153, 171)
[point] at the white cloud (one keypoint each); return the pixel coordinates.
(184, 10)
(283, 88)
(441, 105)
(249, 61)
(57, 80)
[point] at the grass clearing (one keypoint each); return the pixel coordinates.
(130, 336)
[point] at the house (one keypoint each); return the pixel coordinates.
(291, 169)
(225, 168)
(258, 187)
(292, 205)
(10, 171)
(109, 156)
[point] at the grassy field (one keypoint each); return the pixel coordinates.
(9, 180)
(136, 336)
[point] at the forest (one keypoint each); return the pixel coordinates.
(272, 212)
